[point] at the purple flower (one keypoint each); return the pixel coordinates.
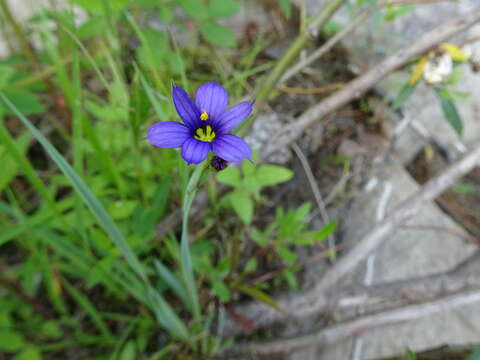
(206, 126)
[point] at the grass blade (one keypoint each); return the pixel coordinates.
(83, 190)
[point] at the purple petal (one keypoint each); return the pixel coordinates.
(211, 98)
(168, 134)
(195, 151)
(234, 116)
(186, 108)
(231, 148)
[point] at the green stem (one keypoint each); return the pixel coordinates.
(316, 24)
(186, 260)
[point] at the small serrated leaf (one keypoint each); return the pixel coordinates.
(218, 34)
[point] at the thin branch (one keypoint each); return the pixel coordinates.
(357, 326)
(316, 192)
(298, 44)
(317, 54)
(366, 81)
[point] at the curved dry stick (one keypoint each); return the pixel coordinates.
(312, 302)
(347, 329)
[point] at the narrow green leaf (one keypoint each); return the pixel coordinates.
(404, 95)
(286, 8)
(410, 355)
(450, 110)
(89, 309)
(85, 193)
(174, 284)
(259, 295)
(326, 231)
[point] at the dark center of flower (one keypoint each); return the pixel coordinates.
(205, 134)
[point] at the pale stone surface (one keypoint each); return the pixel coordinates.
(409, 253)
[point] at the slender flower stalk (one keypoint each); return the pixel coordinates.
(186, 261)
(205, 128)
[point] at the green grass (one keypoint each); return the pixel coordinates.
(83, 195)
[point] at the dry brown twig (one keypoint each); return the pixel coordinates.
(389, 303)
(364, 82)
(308, 304)
(356, 326)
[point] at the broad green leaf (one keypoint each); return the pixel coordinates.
(195, 8)
(30, 353)
(221, 290)
(450, 110)
(229, 176)
(223, 8)
(243, 206)
(218, 34)
(10, 340)
(267, 175)
(259, 295)
(404, 94)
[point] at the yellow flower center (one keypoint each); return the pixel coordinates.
(204, 116)
(207, 134)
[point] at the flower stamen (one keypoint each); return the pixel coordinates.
(204, 116)
(205, 134)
